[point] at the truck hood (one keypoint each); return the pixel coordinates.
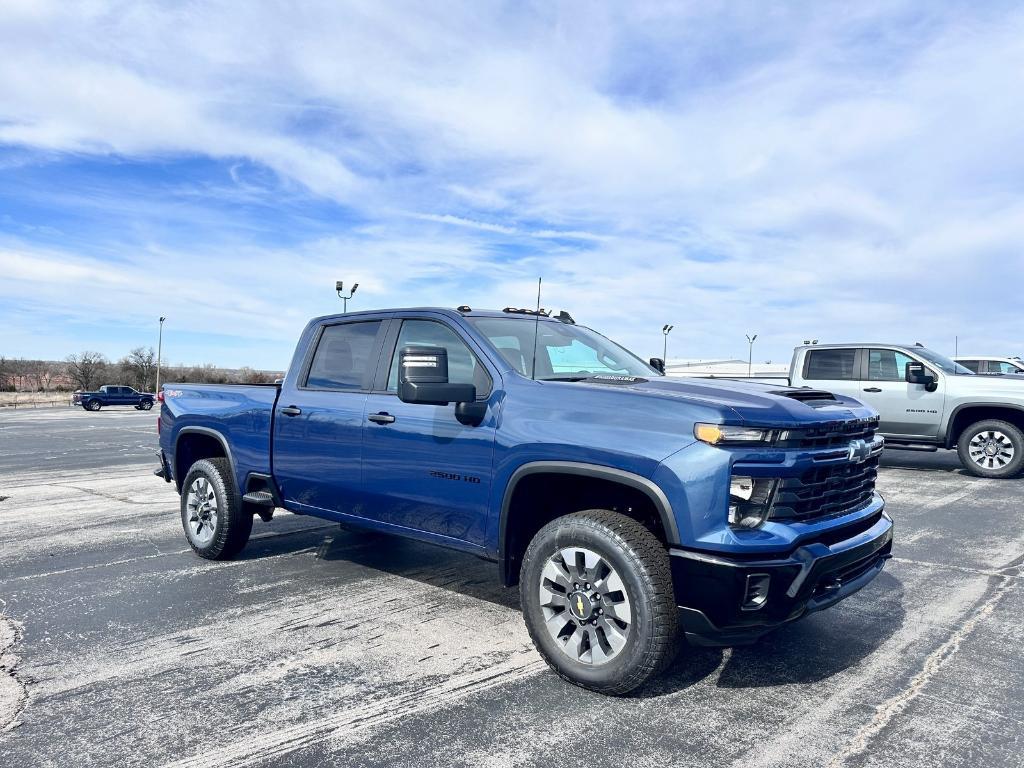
(737, 401)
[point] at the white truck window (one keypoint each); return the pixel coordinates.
(830, 364)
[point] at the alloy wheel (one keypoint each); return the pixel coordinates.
(202, 511)
(585, 605)
(991, 449)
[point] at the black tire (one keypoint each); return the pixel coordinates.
(641, 562)
(93, 405)
(145, 405)
(233, 523)
(993, 438)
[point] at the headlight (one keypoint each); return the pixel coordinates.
(718, 434)
(750, 501)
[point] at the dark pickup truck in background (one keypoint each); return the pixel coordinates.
(113, 394)
(619, 500)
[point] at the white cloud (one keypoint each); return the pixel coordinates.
(839, 172)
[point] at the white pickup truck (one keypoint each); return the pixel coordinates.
(926, 400)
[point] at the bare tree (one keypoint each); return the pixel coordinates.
(32, 374)
(247, 375)
(6, 375)
(86, 369)
(48, 373)
(139, 368)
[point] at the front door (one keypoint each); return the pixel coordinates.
(422, 469)
(318, 424)
(907, 410)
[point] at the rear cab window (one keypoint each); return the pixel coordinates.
(831, 365)
(345, 357)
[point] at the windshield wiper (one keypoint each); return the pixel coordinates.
(565, 378)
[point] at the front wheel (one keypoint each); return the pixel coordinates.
(145, 405)
(992, 448)
(596, 590)
(93, 405)
(216, 524)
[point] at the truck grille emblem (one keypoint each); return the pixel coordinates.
(859, 451)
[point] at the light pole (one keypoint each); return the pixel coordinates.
(340, 288)
(666, 330)
(159, 353)
(750, 353)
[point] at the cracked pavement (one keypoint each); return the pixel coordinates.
(324, 647)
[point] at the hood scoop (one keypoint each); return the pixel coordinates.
(806, 395)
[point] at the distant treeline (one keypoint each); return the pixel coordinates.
(89, 370)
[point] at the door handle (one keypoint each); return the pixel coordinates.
(873, 389)
(381, 418)
(291, 410)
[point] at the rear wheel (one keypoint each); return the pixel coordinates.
(992, 448)
(216, 525)
(596, 590)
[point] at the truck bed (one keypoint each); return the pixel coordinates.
(242, 413)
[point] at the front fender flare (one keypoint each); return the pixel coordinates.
(630, 479)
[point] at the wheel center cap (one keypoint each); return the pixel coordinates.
(991, 449)
(580, 605)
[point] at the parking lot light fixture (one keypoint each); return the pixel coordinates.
(750, 353)
(666, 330)
(339, 286)
(159, 352)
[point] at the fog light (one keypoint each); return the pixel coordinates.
(756, 594)
(744, 516)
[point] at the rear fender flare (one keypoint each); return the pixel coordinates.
(219, 437)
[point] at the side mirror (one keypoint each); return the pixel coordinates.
(916, 373)
(423, 378)
(658, 364)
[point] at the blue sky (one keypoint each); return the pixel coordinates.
(833, 171)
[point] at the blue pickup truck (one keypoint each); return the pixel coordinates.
(630, 508)
(113, 394)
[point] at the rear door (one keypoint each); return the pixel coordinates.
(318, 424)
(422, 469)
(908, 410)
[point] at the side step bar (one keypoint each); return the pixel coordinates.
(922, 447)
(262, 498)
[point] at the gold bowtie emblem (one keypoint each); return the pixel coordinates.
(579, 605)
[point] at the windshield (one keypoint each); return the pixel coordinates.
(564, 352)
(942, 362)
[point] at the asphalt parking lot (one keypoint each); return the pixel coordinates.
(322, 647)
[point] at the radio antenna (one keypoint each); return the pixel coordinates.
(536, 330)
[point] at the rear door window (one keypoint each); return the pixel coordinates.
(831, 365)
(344, 357)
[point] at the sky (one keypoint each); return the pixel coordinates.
(838, 171)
